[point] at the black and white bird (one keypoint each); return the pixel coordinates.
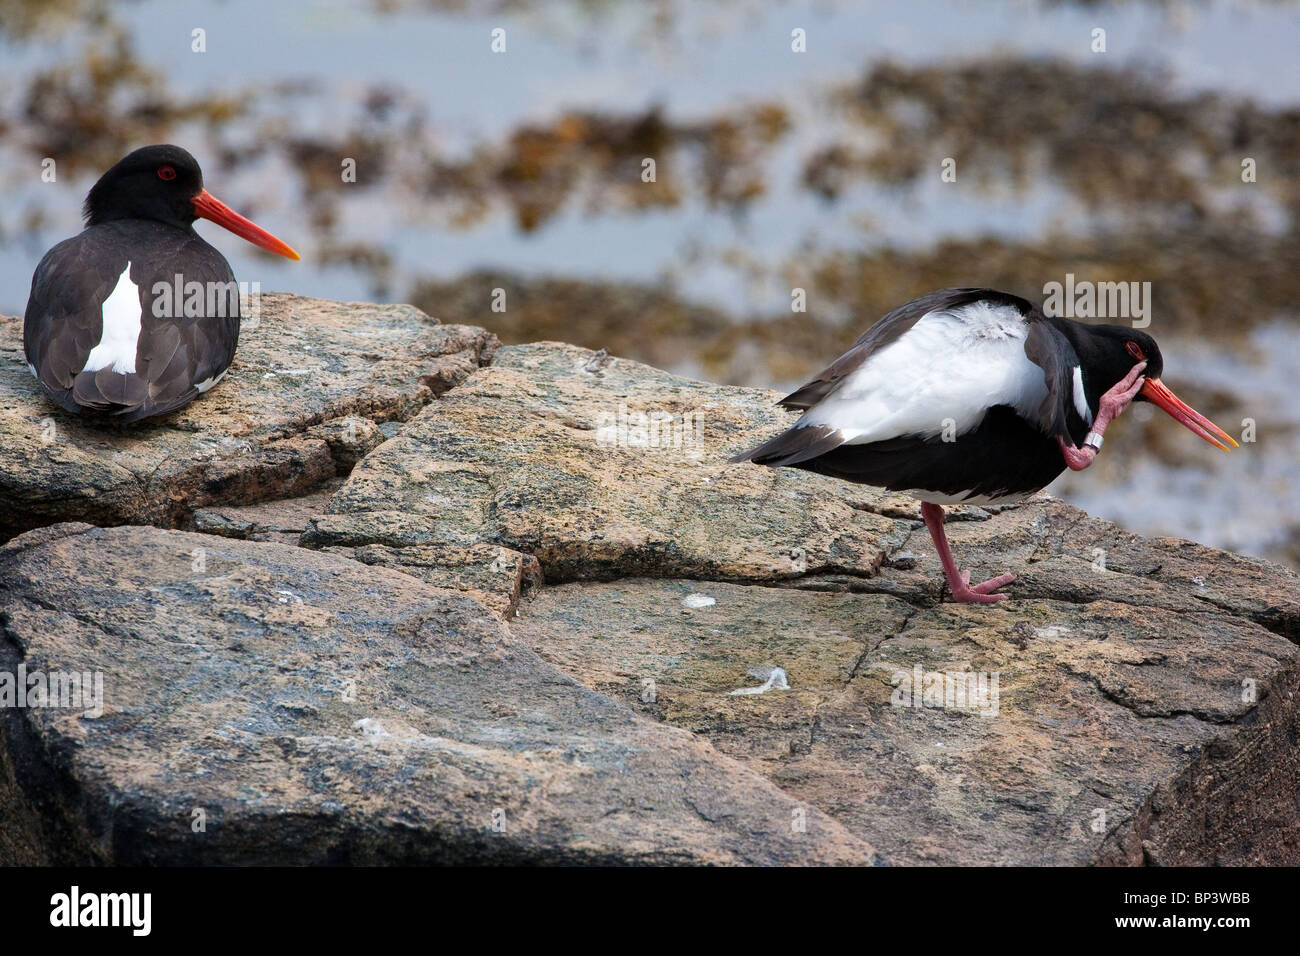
(137, 315)
(972, 396)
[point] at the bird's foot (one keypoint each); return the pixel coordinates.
(1077, 459)
(1120, 396)
(982, 593)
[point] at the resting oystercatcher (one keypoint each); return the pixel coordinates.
(972, 396)
(137, 315)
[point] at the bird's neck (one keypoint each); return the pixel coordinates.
(1101, 354)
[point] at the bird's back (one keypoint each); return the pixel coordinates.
(131, 318)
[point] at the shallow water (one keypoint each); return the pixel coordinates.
(615, 57)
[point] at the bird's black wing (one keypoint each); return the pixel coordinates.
(1051, 351)
(64, 321)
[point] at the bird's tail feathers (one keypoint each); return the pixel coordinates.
(794, 446)
(107, 390)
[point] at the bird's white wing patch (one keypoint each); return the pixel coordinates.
(1080, 398)
(944, 373)
(121, 331)
(207, 383)
(966, 497)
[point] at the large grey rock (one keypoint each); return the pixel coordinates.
(1103, 718)
(309, 709)
(1147, 688)
(310, 385)
(543, 611)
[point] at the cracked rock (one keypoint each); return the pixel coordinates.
(545, 587)
(319, 711)
(602, 476)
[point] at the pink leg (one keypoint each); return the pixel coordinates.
(959, 581)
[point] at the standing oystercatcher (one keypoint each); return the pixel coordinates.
(137, 315)
(971, 396)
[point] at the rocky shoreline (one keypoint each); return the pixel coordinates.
(394, 593)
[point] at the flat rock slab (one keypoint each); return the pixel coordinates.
(1146, 688)
(311, 385)
(268, 704)
(1107, 736)
(599, 467)
(541, 621)
(1061, 553)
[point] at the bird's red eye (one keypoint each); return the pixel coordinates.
(166, 173)
(1135, 351)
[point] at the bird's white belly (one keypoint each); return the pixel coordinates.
(121, 328)
(965, 498)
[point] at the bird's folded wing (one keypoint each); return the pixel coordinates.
(941, 374)
(889, 329)
(64, 321)
(1052, 352)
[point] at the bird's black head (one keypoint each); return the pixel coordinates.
(164, 183)
(156, 182)
(1109, 352)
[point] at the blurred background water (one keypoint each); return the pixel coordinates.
(775, 170)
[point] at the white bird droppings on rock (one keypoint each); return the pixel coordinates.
(775, 680)
(371, 727)
(1051, 631)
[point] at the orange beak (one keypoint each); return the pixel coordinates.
(1177, 409)
(208, 206)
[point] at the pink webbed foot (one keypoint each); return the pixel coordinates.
(959, 581)
(981, 593)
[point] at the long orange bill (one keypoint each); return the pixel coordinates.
(1177, 409)
(208, 206)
